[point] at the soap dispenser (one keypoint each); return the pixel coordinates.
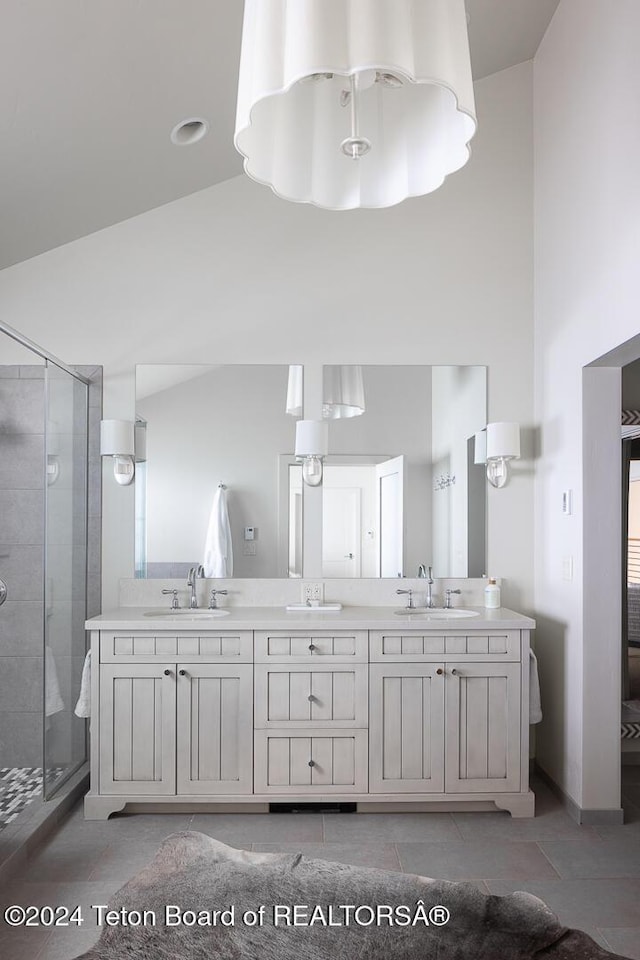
(492, 595)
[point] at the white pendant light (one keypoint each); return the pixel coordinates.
(354, 103)
(342, 391)
(294, 390)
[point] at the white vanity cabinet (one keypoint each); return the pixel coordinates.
(388, 715)
(448, 713)
(170, 726)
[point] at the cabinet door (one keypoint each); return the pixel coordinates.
(215, 728)
(138, 729)
(482, 727)
(406, 728)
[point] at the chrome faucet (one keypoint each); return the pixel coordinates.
(410, 592)
(213, 603)
(194, 573)
(448, 598)
(430, 582)
(175, 605)
(422, 571)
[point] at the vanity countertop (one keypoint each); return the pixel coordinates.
(276, 618)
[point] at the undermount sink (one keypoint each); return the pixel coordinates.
(436, 614)
(188, 614)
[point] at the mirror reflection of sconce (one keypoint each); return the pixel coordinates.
(117, 440)
(312, 446)
(502, 445)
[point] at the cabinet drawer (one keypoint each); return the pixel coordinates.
(325, 761)
(417, 645)
(313, 695)
(300, 646)
(234, 646)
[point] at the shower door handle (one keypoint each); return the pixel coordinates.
(3, 592)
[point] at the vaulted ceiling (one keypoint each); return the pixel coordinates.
(90, 91)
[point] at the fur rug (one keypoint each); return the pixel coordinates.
(194, 872)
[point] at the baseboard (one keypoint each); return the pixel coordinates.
(587, 817)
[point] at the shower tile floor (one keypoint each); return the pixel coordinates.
(18, 787)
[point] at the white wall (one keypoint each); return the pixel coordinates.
(233, 274)
(587, 228)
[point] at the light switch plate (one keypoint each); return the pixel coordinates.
(567, 505)
(567, 568)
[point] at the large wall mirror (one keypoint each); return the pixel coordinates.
(400, 486)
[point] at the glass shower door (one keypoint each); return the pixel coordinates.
(65, 567)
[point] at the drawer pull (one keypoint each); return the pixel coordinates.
(167, 673)
(183, 673)
(312, 647)
(312, 763)
(440, 671)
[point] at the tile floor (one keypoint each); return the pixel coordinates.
(590, 876)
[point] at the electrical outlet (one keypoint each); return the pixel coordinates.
(313, 591)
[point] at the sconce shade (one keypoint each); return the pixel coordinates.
(503, 441)
(354, 103)
(117, 438)
(480, 447)
(312, 438)
(342, 391)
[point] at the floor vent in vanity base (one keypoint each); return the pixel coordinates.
(312, 808)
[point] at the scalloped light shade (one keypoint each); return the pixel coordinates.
(402, 66)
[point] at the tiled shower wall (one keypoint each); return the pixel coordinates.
(21, 563)
(22, 424)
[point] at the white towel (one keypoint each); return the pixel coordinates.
(83, 706)
(535, 708)
(53, 702)
(218, 551)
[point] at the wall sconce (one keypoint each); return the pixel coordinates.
(117, 440)
(503, 444)
(312, 445)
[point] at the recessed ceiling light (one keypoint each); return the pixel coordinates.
(189, 131)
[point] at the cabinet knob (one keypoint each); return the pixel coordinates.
(312, 763)
(312, 647)
(439, 671)
(167, 673)
(183, 673)
(454, 672)
(311, 698)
